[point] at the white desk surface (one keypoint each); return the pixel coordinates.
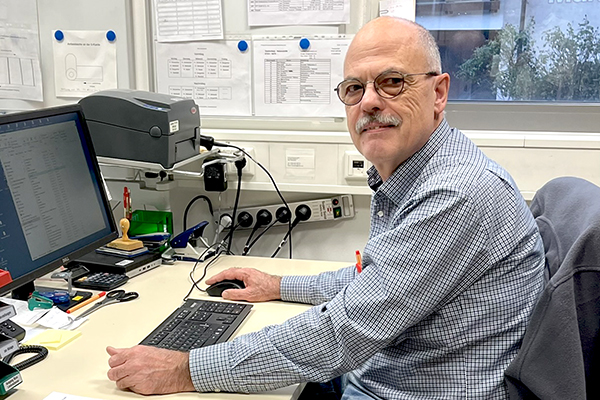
(80, 367)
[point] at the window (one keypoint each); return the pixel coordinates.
(518, 50)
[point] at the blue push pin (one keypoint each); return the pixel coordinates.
(59, 35)
(304, 43)
(242, 46)
(111, 36)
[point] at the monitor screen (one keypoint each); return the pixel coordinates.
(53, 204)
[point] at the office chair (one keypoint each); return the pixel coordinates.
(560, 354)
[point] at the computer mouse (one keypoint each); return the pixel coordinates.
(217, 288)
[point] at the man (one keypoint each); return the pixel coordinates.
(452, 268)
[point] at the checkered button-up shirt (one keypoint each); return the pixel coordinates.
(452, 270)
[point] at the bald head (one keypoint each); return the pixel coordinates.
(410, 39)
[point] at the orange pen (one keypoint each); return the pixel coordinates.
(85, 303)
(358, 262)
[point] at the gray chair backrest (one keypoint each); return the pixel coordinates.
(559, 357)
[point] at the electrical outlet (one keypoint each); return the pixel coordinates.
(355, 166)
(328, 209)
(250, 168)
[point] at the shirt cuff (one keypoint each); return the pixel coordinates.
(209, 369)
(298, 289)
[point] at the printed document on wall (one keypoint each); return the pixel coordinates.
(285, 12)
(398, 8)
(185, 20)
(84, 62)
(20, 70)
(215, 74)
(291, 82)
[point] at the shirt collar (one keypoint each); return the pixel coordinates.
(407, 172)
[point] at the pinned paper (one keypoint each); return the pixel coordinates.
(54, 339)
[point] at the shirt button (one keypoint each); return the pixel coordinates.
(380, 213)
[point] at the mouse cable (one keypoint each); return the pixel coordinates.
(266, 172)
(195, 282)
(40, 353)
(193, 271)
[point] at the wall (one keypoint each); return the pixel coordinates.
(79, 15)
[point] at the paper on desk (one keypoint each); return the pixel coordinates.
(24, 316)
(58, 319)
(52, 318)
(63, 396)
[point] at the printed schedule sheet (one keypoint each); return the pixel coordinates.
(292, 82)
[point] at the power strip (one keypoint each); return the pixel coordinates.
(328, 209)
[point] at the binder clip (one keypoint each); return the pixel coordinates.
(37, 300)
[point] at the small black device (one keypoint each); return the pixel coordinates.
(101, 281)
(12, 330)
(215, 178)
(198, 323)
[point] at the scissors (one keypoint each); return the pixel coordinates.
(116, 296)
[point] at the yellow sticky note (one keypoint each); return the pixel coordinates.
(54, 339)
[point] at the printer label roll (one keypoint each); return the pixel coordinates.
(173, 126)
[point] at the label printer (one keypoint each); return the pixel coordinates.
(142, 126)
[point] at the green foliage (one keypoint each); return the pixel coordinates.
(565, 68)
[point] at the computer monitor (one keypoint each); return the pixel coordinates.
(54, 207)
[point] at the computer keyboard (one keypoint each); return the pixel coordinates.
(198, 323)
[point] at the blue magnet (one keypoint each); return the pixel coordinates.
(304, 43)
(59, 35)
(242, 46)
(111, 36)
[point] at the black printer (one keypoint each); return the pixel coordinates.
(142, 126)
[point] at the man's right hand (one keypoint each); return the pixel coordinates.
(260, 286)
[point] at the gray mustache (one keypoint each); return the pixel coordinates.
(379, 118)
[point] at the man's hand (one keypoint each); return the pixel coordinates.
(259, 285)
(150, 370)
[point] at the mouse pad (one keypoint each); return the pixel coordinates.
(78, 297)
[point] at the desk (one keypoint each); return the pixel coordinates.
(80, 367)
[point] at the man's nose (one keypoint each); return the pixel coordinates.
(371, 99)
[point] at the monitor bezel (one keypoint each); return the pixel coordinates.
(30, 277)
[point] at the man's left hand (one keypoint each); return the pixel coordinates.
(150, 370)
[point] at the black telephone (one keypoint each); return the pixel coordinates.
(11, 329)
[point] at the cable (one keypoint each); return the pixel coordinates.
(282, 215)
(40, 353)
(239, 165)
(263, 218)
(189, 205)
(220, 144)
(302, 213)
(194, 281)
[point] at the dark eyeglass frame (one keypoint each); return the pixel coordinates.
(379, 90)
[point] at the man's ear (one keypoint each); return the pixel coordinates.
(441, 88)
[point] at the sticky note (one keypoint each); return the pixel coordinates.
(54, 339)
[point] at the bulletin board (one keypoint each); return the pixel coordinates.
(257, 74)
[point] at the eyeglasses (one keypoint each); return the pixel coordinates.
(388, 85)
